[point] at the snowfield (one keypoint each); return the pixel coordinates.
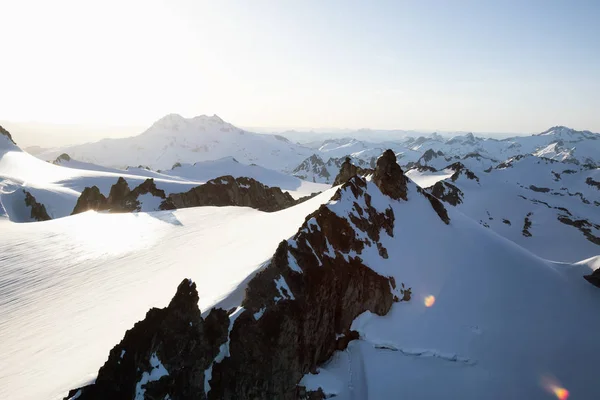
(71, 287)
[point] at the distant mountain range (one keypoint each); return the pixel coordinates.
(174, 139)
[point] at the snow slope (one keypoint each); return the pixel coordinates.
(541, 191)
(72, 287)
(487, 319)
(175, 139)
(58, 187)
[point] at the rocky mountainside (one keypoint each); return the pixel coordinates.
(222, 191)
(316, 170)
(559, 143)
(546, 206)
(306, 298)
(334, 311)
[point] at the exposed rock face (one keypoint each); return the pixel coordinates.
(38, 211)
(539, 189)
(223, 191)
(527, 225)
(163, 356)
(447, 192)
(230, 191)
(120, 198)
(594, 278)
(428, 156)
(4, 132)
(437, 206)
(317, 170)
(459, 169)
(90, 199)
(592, 182)
(348, 170)
(584, 227)
(389, 177)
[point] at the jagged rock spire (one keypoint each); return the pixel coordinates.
(389, 177)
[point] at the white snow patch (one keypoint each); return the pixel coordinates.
(157, 372)
(282, 285)
(293, 263)
(260, 313)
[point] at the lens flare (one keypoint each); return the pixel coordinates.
(560, 393)
(429, 301)
(551, 385)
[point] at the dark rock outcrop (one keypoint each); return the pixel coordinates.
(437, 206)
(163, 356)
(428, 156)
(527, 225)
(539, 189)
(459, 169)
(584, 227)
(6, 133)
(61, 158)
(38, 211)
(594, 278)
(389, 177)
(230, 191)
(348, 170)
(592, 182)
(90, 199)
(223, 191)
(447, 192)
(120, 198)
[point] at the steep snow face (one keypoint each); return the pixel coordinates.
(175, 139)
(73, 286)
(487, 319)
(548, 207)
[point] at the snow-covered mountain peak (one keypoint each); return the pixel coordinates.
(565, 133)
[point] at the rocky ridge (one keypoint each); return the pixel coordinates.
(305, 297)
(222, 191)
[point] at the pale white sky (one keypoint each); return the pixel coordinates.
(464, 65)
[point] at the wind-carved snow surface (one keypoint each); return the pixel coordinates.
(157, 372)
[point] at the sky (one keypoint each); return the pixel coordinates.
(515, 66)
